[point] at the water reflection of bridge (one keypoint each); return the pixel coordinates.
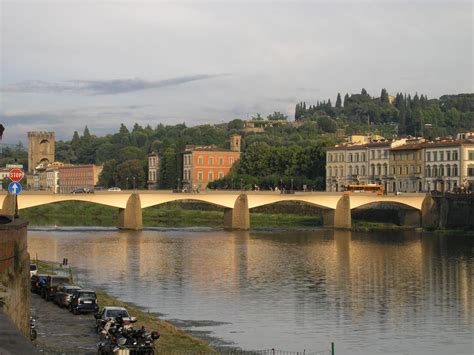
(336, 207)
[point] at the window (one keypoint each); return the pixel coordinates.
(428, 171)
(379, 154)
(435, 156)
(341, 171)
(363, 156)
(199, 175)
(379, 169)
(330, 171)
(448, 170)
(211, 161)
(221, 161)
(372, 154)
(448, 155)
(363, 170)
(200, 160)
(349, 158)
(356, 157)
(470, 171)
(455, 155)
(400, 170)
(470, 154)
(393, 170)
(372, 169)
(441, 156)
(434, 171)
(385, 169)
(350, 170)
(221, 175)
(441, 170)
(406, 170)
(385, 153)
(211, 176)
(455, 170)
(356, 170)
(231, 161)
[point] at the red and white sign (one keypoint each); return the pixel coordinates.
(16, 175)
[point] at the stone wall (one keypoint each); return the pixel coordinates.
(448, 211)
(15, 272)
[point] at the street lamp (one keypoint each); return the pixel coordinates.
(179, 184)
(281, 185)
(241, 184)
(127, 182)
(292, 185)
(232, 183)
(133, 182)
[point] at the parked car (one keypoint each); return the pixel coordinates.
(83, 301)
(63, 295)
(33, 269)
(107, 313)
(37, 282)
(50, 286)
(83, 190)
(115, 188)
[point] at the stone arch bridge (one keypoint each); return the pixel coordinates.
(336, 207)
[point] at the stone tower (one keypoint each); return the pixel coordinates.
(40, 149)
(235, 141)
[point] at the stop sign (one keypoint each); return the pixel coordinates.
(16, 174)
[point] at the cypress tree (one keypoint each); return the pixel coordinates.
(338, 100)
(346, 100)
(384, 97)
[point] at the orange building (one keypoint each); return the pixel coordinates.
(203, 164)
(73, 177)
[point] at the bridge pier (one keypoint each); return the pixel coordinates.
(342, 213)
(130, 217)
(239, 216)
(431, 213)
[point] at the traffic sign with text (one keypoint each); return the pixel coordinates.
(16, 175)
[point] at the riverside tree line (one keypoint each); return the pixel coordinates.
(281, 155)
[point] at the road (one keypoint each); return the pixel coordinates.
(60, 330)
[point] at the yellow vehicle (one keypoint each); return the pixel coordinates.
(373, 188)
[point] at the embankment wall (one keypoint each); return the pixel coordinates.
(15, 272)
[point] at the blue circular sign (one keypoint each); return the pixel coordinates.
(15, 188)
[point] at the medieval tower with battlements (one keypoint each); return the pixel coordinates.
(40, 149)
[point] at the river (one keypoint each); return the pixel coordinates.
(369, 293)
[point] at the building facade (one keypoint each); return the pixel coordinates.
(153, 170)
(442, 166)
(73, 177)
(407, 168)
(204, 164)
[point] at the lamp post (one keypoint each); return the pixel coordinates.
(281, 185)
(292, 185)
(133, 178)
(127, 182)
(232, 183)
(179, 184)
(241, 184)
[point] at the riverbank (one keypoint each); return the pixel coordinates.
(169, 215)
(66, 325)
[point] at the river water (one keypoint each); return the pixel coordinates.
(369, 293)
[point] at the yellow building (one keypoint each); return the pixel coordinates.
(407, 168)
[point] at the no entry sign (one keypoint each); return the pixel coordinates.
(16, 174)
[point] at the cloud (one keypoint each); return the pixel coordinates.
(102, 87)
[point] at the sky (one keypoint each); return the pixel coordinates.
(66, 64)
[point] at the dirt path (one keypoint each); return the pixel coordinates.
(60, 330)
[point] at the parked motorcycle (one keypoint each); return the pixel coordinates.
(115, 335)
(33, 333)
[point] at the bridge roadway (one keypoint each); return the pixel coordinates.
(336, 207)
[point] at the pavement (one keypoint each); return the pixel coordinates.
(12, 342)
(61, 331)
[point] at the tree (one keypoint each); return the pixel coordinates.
(363, 92)
(235, 124)
(384, 97)
(130, 172)
(86, 134)
(346, 100)
(277, 116)
(169, 169)
(338, 101)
